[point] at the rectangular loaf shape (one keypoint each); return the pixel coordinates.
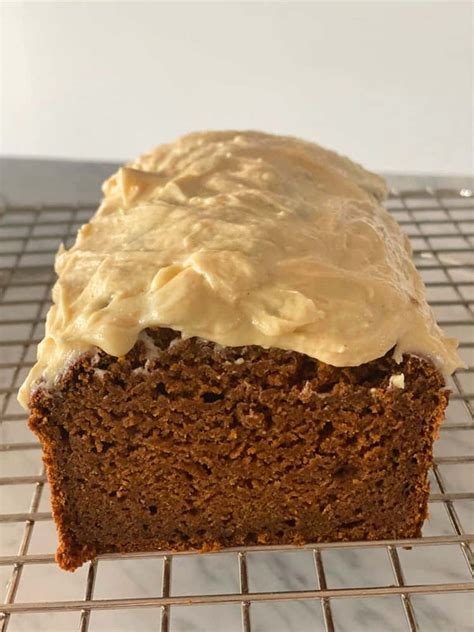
(239, 351)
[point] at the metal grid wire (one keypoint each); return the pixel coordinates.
(440, 224)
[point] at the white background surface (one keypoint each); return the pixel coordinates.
(388, 83)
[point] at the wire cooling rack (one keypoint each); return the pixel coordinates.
(334, 586)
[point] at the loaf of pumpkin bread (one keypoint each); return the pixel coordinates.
(239, 352)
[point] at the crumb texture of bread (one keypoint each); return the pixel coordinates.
(183, 444)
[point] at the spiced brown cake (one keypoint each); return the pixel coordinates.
(239, 352)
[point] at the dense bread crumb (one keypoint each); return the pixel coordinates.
(184, 444)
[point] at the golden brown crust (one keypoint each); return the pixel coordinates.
(198, 446)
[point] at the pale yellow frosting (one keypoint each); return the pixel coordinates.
(241, 238)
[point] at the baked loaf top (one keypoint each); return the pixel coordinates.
(242, 238)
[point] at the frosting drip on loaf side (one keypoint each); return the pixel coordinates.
(242, 238)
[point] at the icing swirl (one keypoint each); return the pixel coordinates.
(242, 238)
